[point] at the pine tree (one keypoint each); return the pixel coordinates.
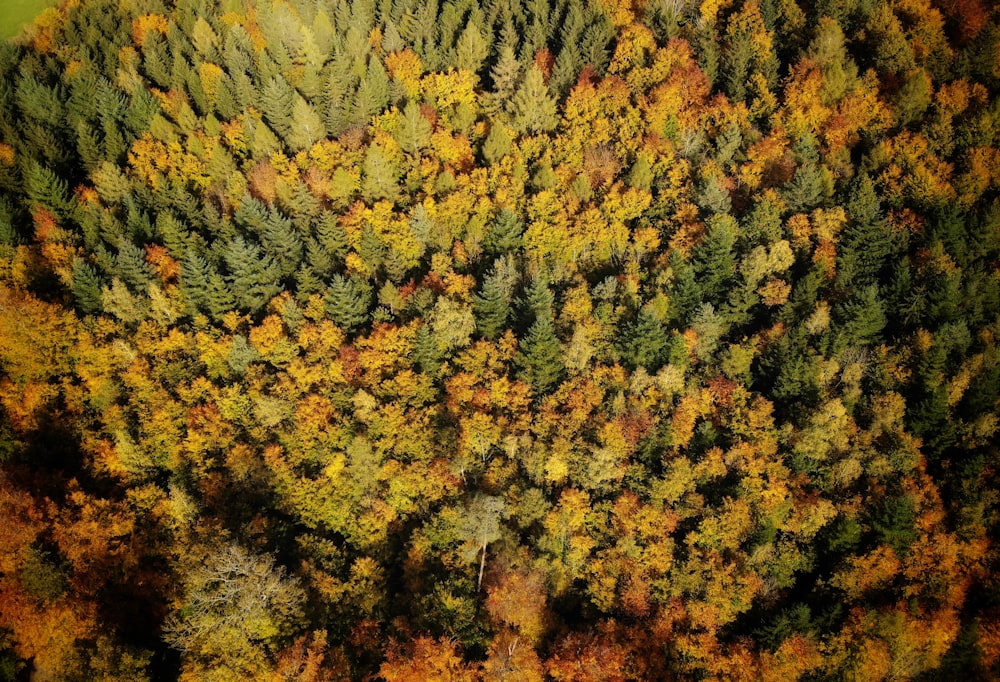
(685, 290)
(427, 355)
(347, 302)
(306, 127)
(471, 49)
(253, 278)
(331, 236)
(277, 101)
(282, 243)
(505, 75)
(86, 288)
(46, 188)
(532, 108)
(645, 342)
(381, 175)
(540, 356)
(132, 268)
(194, 280)
(862, 319)
(867, 244)
(504, 234)
(218, 299)
(373, 93)
(491, 305)
(414, 131)
(714, 259)
(538, 299)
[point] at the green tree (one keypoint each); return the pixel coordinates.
(347, 302)
(491, 305)
(504, 233)
(86, 287)
(381, 175)
(645, 342)
(540, 356)
(532, 107)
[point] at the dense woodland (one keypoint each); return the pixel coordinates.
(559, 340)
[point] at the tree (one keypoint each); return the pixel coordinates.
(532, 108)
(540, 356)
(347, 302)
(86, 287)
(504, 233)
(491, 305)
(481, 526)
(237, 609)
(645, 343)
(306, 127)
(253, 277)
(414, 131)
(381, 175)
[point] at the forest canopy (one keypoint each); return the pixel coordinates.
(550, 340)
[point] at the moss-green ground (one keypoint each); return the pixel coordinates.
(14, 14)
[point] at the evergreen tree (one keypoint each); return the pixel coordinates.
(132, 268)
(86, 288)
(381, 175)
(862, 319)
(427, 355)
(532, 108)
(645, 342)
(348, 301)
(277, 102)
(414, 131)
(714, 260)
(471, 49)
(194, 280)
(45, 188)
(306, 127)
(282, 243)
(540, 356)
(491, 305)
(253, 278)
(218, 299)
(504, 233)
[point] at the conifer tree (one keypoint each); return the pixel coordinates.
(277, 101)
(86, 287)
(504, 233)
(132, 268)
(381, 175)
(306, 127)
(253, 277)
(347, 302)
(532, 107)
(471, 49)
(540, 356)
(492, 304)
(645, 342)
(414, 131)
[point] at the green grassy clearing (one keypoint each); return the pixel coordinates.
(14, 14)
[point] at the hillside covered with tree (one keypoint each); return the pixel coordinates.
(559, 340)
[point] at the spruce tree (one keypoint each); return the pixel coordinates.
(253, 277)
(86, 288)
(540, 356)
(132, 268)
(644, 343)
(347, 302)
(504, 233)
(277, 101)
(491, 305)
(532, 108)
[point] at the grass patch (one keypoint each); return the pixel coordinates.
(16, 14)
